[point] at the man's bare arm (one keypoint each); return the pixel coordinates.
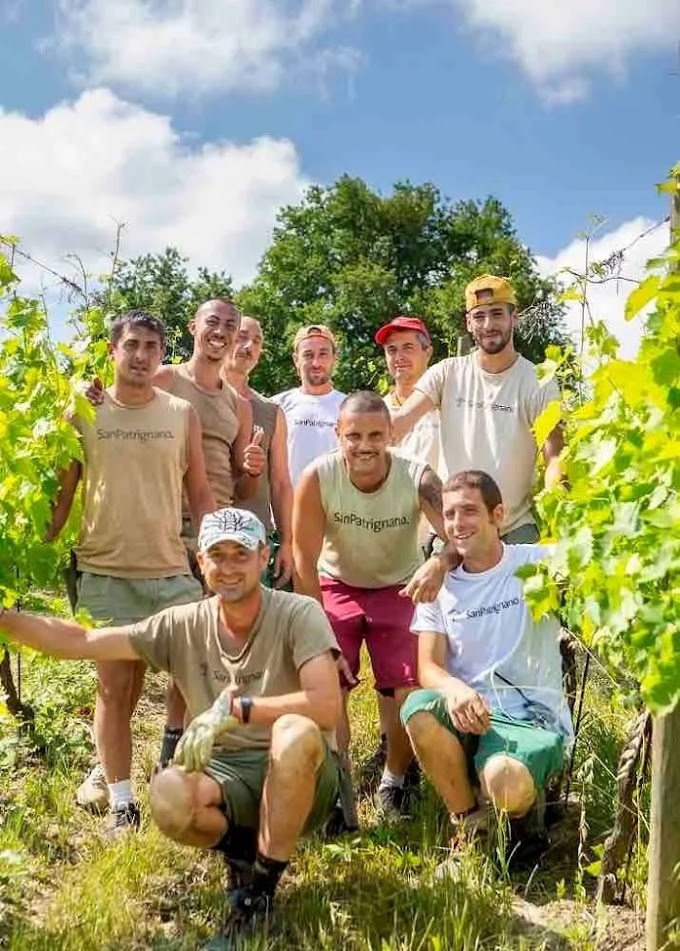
(199, 494)
(68, 483)
(308, 529)
(430, 495)
(413, 409)
(552, 448)
(67, 639)
(281, 494)
(318, 698)
(242, 455)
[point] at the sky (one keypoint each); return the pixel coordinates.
(193, 121)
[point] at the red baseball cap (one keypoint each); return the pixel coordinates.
(400, 323)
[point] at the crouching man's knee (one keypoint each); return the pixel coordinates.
(422, 729)
(508, 785)
(297, 741)
(173, 800)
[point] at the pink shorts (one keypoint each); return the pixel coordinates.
(382, 619)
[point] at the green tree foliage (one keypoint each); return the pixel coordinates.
(162, 284)
(350, 258)
(617, 523)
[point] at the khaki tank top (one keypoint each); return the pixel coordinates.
(264, 416)
(218, 413)
(135, 458)
(370, 538)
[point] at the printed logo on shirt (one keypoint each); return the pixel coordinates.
(484, 404)
(492, 608)
(141, 435)
(226, 676)
(372, 524)
(314, 422)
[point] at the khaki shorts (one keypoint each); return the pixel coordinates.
(241, 774)
(122, 601)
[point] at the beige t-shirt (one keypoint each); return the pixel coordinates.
(135, 458)
(289, 630)
(218, 413)
(370, 538)
(422, 444)
(486, 421)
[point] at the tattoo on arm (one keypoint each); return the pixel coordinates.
(430, 489)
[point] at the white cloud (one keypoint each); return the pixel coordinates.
(560, 43)
(607, 300)
(195, 46)
(68, 176)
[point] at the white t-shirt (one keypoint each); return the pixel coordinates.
(422, 444)
(311, 422)
(493, 643)
(485, 423)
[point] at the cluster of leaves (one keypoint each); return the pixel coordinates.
(617, 523)
(37, 394)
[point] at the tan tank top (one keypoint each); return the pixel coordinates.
(264, 416)
(135, 458)
(370, 538)
(218, 413)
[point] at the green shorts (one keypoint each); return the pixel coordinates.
(541, 751)
(127, 600)
(241, 775)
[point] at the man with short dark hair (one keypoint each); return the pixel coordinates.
(491, 723)
(355, 538)
(254, 769)
(272, 501)
(140, 452)
(488, 402)
(311, 409)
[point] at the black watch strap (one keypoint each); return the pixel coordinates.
(246, 707)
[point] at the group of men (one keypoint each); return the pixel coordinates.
(203, 502)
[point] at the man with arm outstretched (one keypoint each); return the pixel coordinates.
(254, 769)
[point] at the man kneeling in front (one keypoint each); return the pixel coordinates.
(254, 769)
(491, 724)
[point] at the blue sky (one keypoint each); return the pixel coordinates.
(194, 121)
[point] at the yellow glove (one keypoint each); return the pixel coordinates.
(196, 745)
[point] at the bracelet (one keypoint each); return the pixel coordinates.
(246, 707)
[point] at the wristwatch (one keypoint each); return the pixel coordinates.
(246, 707)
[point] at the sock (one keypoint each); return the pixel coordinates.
(266, 874)
(391, 779)
(171, 737)
(238, 843)
(120, 794)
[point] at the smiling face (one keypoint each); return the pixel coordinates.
(492, 326)
(364, 438)
(233, 571)
(469, 524)
(315, 360)
(136, 355)
(214, 329)
(248, 348)
(406, 357)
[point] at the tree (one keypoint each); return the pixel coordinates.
(351, 258)
(161, 284)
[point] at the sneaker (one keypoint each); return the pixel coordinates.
(466, 833)
(250, 913)
(389, 802)
(93, 793)
(122, 820)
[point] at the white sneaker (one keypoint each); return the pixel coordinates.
(93, 792)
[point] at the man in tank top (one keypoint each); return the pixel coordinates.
(355, 539)
(311, 409)
(272, 501)
(234, 459)
(141, 450)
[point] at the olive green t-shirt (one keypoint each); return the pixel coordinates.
(289, 630)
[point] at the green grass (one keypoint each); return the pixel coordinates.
(63, 886)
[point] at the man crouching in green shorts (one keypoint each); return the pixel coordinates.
(493, 718)
(254, 769)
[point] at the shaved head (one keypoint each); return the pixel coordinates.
(364, 401)
(217, 305)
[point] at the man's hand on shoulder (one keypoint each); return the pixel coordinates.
(425, 584)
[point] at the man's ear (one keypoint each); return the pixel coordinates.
(110, 348)
(191, 326)
(498, 515)
(265, 554)
(200, 558)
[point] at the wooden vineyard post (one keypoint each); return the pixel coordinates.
(663, 890)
